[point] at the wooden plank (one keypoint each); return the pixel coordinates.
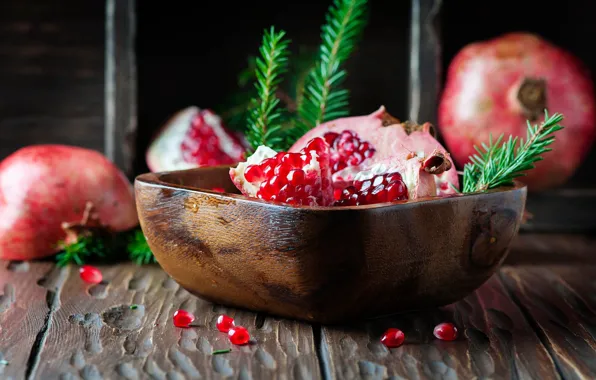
(27, 300)
(96, 333)
(548, 249)
(425, 61)
(560, 300)
(495, 342)
(51, 70)
(120, 89)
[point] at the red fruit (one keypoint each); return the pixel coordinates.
(393, 338)
(238, 335)
(381, 188)
(183, 318)
(90, 274)
(224, 323)
(445, 331)
(493, 87)
(302, 178)
(42, 186)
(193, 138)
(358, 143)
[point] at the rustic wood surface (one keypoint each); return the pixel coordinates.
(533, 320)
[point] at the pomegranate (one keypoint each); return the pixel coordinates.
(302, 178)
(494, 86)
(358, 143)
(44, 186)
(193, 138)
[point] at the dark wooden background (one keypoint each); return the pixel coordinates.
(52, 64)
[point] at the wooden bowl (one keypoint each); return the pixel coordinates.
(323, 264)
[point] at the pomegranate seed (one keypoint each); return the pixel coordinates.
(183, 318)
(224, 323)
(90, 274)
(219, 189)
(337, 194)
(393, 338)
(347, 149)
(267, 165)
(330, 137)
(317, 144)
(296, 177)
(238, 335)
(348, 192)
(339, 165)
(253, 173)
(393, 177)
(445, 331)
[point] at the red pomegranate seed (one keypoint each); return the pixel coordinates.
(183, 318)
(296, 177)
(253, 173)
(219, 189)
(318, 145)
(90, 274)
(337, 194)
(393, 338)
(445, 331)
(224, 323)
(238, 335)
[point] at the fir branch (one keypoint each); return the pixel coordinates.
(138, 249)
(264, 119)
(86, 248)
(324, 99)
(498, 164)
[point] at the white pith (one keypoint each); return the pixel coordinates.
(262, 153)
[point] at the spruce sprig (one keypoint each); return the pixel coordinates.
(498, 164)
(138, 249)
(264, 119)
(324, 98)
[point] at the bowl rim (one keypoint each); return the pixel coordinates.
(156, 179)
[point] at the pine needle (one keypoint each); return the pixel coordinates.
(498, 164)
(324, 99)
(264, 119)
(83, 250)
(138, 249)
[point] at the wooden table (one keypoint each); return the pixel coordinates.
(535, 319)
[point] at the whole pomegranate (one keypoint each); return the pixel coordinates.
(357, 143)
(493, 87)
(43, 186)
(193, 138)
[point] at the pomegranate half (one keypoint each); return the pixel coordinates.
(43, 186)
(494, 86)
(361, 142)
(192, 138)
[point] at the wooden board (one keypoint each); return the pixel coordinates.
(27, 299)
(495, 342)
(560, 301)
(96, 334)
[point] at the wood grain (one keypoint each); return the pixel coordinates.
(560, 301)
(51, 70)
(26, 303)
(495, 342)
(97, 334)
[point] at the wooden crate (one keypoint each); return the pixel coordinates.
(67, 76)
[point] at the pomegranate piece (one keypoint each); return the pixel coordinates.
(494, 86)
(44, 186)
(358, 143)
(194, 137)
(90, 274)
(393, 338)
(381, 188)
(224, 323)
(302, 178)
(183, 318)
(395, 179)
(445, 331)
(238, 335)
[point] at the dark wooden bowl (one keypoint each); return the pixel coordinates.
(323, 264)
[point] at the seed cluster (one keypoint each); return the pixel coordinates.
(388, 187)
(347, 149)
